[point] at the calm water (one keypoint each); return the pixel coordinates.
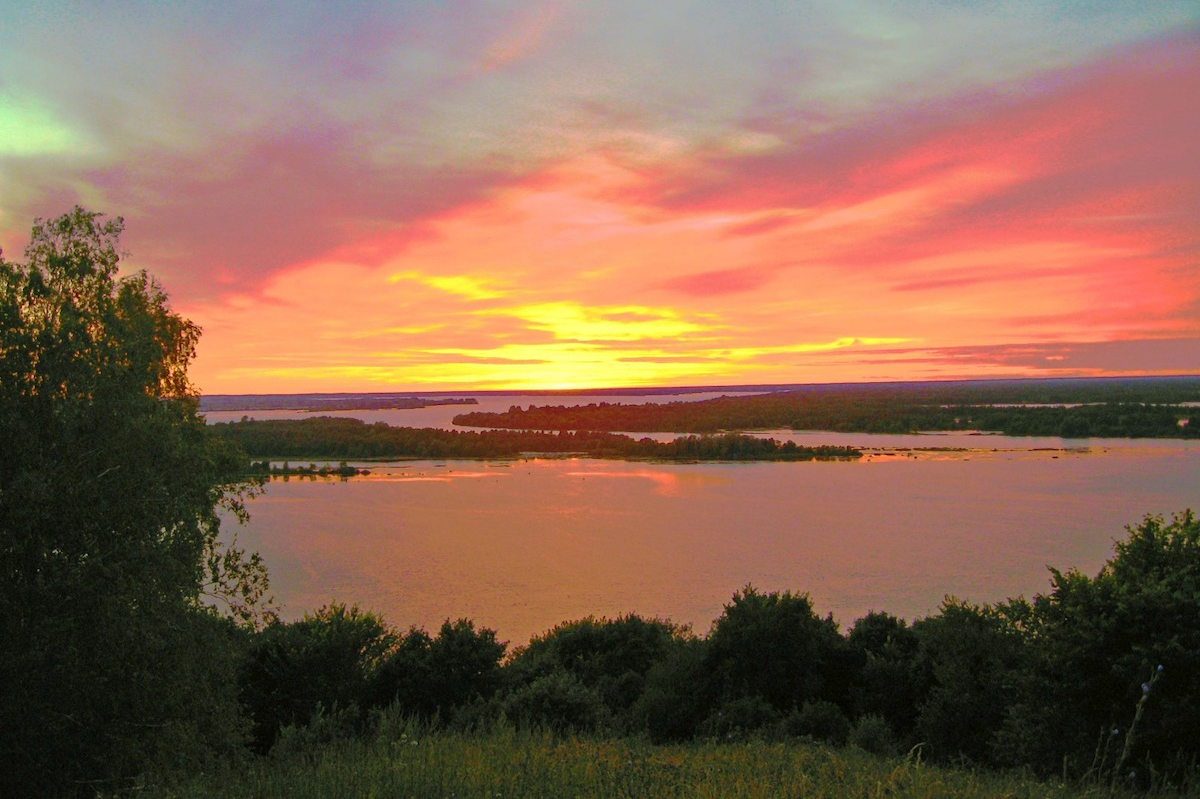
(521, 545)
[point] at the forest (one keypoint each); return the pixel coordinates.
(337, 437)
(1141, 408)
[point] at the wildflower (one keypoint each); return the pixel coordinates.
(1145, 688)
(1116, 730)
(1159, 669)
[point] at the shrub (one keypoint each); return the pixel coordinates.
(775, 647)
(678, 693)
(1098, 640)
(428, 676)
(610, 656)
(821, 721)
(873, 734)
(295, 670)
(887, 683)
(741, 718)
(557, 702)
(969, 656)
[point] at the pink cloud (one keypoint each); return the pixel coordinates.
(719, 282)
(219, 223)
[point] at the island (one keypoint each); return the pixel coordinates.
(332, 438)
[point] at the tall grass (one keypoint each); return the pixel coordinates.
(406, 760)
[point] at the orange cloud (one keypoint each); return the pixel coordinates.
(1065, 216)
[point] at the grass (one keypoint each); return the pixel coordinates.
(409, 762)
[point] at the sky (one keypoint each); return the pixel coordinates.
(457, 195)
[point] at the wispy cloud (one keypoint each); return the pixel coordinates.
(566, 193)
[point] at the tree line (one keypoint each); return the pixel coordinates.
(861, 409)
(337, 437)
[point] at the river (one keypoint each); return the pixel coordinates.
(521, 545)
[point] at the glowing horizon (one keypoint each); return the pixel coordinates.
(555, 195)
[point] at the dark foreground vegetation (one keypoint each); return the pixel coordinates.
(1116, 408)
(336, 437)
(138, 652)
(402, 757)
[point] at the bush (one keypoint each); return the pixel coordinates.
(678, 693)
(775, 647)
(1098, 640)
(610, 656)
(321, 730)
(557, 702)
(873, 734)
(970, 657)
(429, 676)
(821, 721)
(742, 718)
(322, 663)
(887, 683)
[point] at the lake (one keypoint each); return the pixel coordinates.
(521, 545)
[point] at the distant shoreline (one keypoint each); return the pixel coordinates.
(755, 388)
(315, 403)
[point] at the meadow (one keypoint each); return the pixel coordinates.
(405, 758)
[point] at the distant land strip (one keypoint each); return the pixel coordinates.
(318, 403)
(328, 437)
(1125, 408)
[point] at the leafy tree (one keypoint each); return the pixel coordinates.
(678, 692)
(464, 662)
(774, 646)
(611, 656)
(887, 685)
(557, 701)
(969, 658)
(426, 676)
(1099, 643)
(324, 662)
(113, 660)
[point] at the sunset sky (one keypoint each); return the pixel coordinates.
(368, 196)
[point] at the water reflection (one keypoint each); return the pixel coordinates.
(524, 544)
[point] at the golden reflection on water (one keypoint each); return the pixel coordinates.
(521, 545)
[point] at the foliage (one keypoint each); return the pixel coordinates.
(337, 437)
(742, 718)
(820, 720)
(417, 761)
(677, 694)
(610, 656)
(1126, 407)
(321, 664)
(429, 676)
(1129, 636)
(888, 684)
(968, 656)
(113, 660)
(873, 734)
(774, 646)
(557, 701)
